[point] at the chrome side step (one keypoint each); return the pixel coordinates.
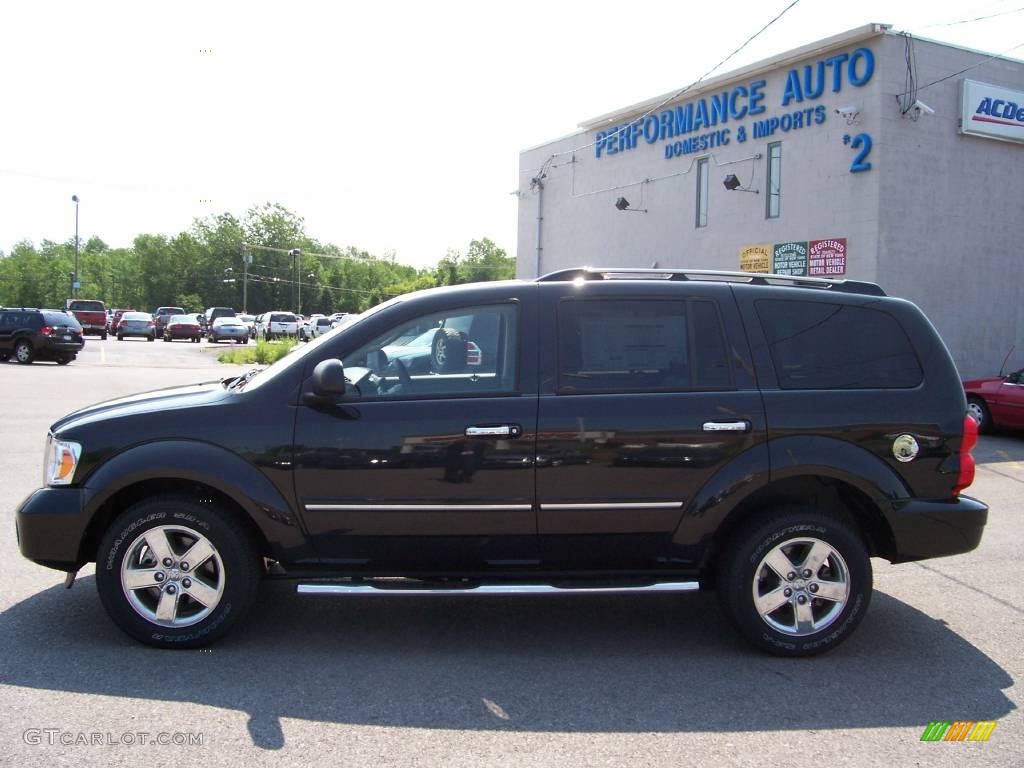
(491, 589)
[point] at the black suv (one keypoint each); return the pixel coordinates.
(620, 431)
(39, 334)
(162, 315)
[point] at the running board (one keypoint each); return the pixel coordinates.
(491, 589)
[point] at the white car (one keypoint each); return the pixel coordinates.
(319, 326)
(306, 328)
(274, 325)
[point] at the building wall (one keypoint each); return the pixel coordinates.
(952, 233)
(820, 197)
(938, 219)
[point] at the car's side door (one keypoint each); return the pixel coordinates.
(426, 467)
(6, 332)
(646, 392)
(1008, 404)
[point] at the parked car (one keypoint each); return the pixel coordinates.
(306, 326)
(319, 326)
(229, 329)
(439, 349)
(115, 318)
(274, 325)
(136, 324)
(339, 317)
(214, 312)
(162, 315)
(626, 431)
(91, 314)
(39, 334)
(997, 401)
(182, 327)
(200, 319)
(250, 323)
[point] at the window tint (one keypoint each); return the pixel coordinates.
(462, 352)
(636, 346)
(282, 318)
(835, 346)
(60, 319)
(87, 306)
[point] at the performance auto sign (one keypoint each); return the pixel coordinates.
(991, 111)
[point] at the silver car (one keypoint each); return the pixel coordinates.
(229, 329)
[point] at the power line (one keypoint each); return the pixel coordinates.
(969, 21)
(367, 259)
(968, 69)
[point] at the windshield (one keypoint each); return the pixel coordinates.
(296, 356)
(135, 316)
(181, 319)
(60, 319)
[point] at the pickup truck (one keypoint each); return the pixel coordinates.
(91, 314)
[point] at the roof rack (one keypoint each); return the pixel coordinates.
(751, 278)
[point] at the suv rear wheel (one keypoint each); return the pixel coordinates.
(23, 352)
(798, 584)
(176, 573)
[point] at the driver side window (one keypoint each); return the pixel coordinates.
(465, 351)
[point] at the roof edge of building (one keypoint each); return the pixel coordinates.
(857, 34)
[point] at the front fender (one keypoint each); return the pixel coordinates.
(210, 465)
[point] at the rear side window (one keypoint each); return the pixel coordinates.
(641, 346)
(836, 346)
(60, 319)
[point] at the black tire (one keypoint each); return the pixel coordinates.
(103, 336)
(245, 340)
(4, 356)
(151, 338)
(448, 351)
(793, 532)
(120, 337)
(176, 521)
(978, 411)
(23, 352)
(64, 360)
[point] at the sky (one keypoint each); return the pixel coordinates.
(393, 127)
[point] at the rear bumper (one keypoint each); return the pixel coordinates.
(50, 525)
(924, 528)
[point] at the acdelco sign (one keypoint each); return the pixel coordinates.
(991, 111)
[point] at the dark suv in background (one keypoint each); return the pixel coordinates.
(162, 315)
(39, 334)
(613, 431)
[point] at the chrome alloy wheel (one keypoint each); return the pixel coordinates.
(172, 576)
(976, 411)
(801, 586)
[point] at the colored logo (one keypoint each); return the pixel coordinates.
(958, 730)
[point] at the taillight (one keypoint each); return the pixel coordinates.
(46, 330)
(149, 323)
(967, 443)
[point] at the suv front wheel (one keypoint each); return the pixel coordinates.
(176, 573)
(798, 584)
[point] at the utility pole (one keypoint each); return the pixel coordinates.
(75, 283)
(295, 253)
(246, 260)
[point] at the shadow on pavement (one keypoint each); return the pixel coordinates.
(995, 449)
(657, 663)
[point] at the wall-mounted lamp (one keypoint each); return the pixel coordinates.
(732, 183)
(623, 205)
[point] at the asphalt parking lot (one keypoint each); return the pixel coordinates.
(576, 681)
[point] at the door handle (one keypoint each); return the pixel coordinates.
(495, 430)
(726, 426)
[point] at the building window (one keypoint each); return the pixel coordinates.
(702, 192)
(774, 180)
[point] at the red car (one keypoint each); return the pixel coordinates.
(998, 401)
(182, 327)
(91, 314)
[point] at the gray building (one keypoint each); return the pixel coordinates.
(873, 156)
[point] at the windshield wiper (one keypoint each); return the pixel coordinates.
(240, 381)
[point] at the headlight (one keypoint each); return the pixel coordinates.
(60, 461)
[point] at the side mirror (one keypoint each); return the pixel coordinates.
(329, 378)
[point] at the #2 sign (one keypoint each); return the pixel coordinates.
(826, 258)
